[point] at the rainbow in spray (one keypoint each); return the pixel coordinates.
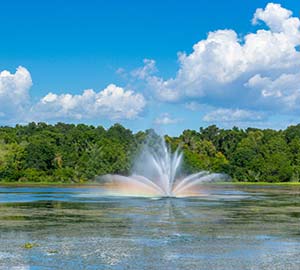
(157, 173)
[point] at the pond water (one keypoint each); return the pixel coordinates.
(229, 227)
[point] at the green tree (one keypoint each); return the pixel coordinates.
(39, 155)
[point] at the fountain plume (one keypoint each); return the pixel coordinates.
(157, 173)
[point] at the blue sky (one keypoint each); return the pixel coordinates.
(134, 62)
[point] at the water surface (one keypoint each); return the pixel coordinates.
(228, 227)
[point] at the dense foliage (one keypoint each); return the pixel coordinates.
(39, 152)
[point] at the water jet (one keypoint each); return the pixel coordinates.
(157, 173)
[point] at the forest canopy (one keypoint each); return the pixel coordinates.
(70, 153)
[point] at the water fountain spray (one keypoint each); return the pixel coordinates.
(157, 173)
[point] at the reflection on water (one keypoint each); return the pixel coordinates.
(80, 228)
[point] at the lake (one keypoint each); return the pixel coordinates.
(228, 227)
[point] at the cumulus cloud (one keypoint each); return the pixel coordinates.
(14, 95)
(278, 19)
(145, 71)
(166, 119)
(113, 102)
(228, 71)
(233, 115)
(283, 90)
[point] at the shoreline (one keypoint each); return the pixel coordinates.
(259, 183)
(48, 184)
(95, 184)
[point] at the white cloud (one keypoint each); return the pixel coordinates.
(220, 68)
(113, 103)
(230, 115)
(166, 119)
(278, 19)
(14, 95)
(145, 71)
(195, 106)
(282, 91)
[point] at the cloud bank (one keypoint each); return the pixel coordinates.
(113, 103)
(257, 71)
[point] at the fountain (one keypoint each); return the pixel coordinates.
(157, 173)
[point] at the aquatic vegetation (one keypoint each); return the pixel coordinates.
(29, 245)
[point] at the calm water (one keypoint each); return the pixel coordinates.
(80, 228)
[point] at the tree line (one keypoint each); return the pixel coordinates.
(68, 153)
